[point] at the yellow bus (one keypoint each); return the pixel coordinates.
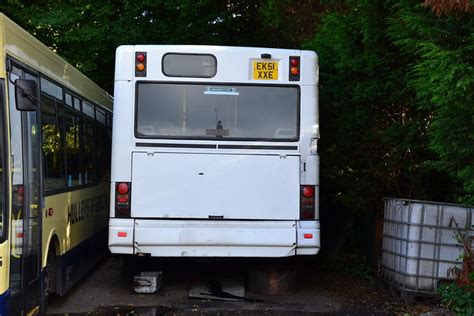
(55, 130)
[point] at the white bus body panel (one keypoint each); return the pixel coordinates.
(211, 238)
(197, 238)
(177, 185)
(234, 63)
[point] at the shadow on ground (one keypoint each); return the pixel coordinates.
(108, 291)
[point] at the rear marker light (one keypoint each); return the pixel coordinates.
(308, 191)
(140, 64)
(122, 188)
(308, 236)
(122, 199)
(307, 202)
(294, 68)
(295, 71)
(140, 58)
(122, 234)
(307, 215)
(20, 190)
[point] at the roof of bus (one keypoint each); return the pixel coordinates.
(214, 48)
(18, 43)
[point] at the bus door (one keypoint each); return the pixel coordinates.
(25, 256)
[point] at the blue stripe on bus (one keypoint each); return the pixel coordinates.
(4, 300)
(75, 263)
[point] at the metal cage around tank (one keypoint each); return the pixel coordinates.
(419, 247)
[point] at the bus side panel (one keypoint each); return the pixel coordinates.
(309, 68)
(4, 301)
(5, 245)
(79, 220)
(122, 138)
(75, 216)
(4, 278)
(74, 264)
(309, 127)
(309, 138)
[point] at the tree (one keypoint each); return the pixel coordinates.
(86, 33)
(442, 75)
(447, 6)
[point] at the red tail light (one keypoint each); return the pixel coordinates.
(122, 199)
(308, 191)
(140, 64)
(140, 57)
(123, 188)
(307, 202)
(295, 68)
(18, 194)
(20, 190)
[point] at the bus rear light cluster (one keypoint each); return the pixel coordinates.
(140, 64)
(18, 194)
(122, 199)
(307, 202)
(294, 68)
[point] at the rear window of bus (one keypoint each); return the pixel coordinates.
(203, 111)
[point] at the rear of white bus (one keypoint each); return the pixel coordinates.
(214, 152)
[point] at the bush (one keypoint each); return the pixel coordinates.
(459, 298)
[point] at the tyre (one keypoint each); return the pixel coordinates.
(50, 273)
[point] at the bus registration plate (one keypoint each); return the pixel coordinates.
(265, 70)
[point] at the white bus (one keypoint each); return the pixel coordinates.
(214, 152)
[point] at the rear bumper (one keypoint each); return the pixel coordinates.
(191, 238)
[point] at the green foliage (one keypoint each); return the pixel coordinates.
(354, 265)
(460, 299)
(369, 111)
(358, 267)
(442, 76)
(459, 296)
(86, 33)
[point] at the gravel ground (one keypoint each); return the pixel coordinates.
(107, 291)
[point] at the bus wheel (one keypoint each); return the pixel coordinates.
(50, 273)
